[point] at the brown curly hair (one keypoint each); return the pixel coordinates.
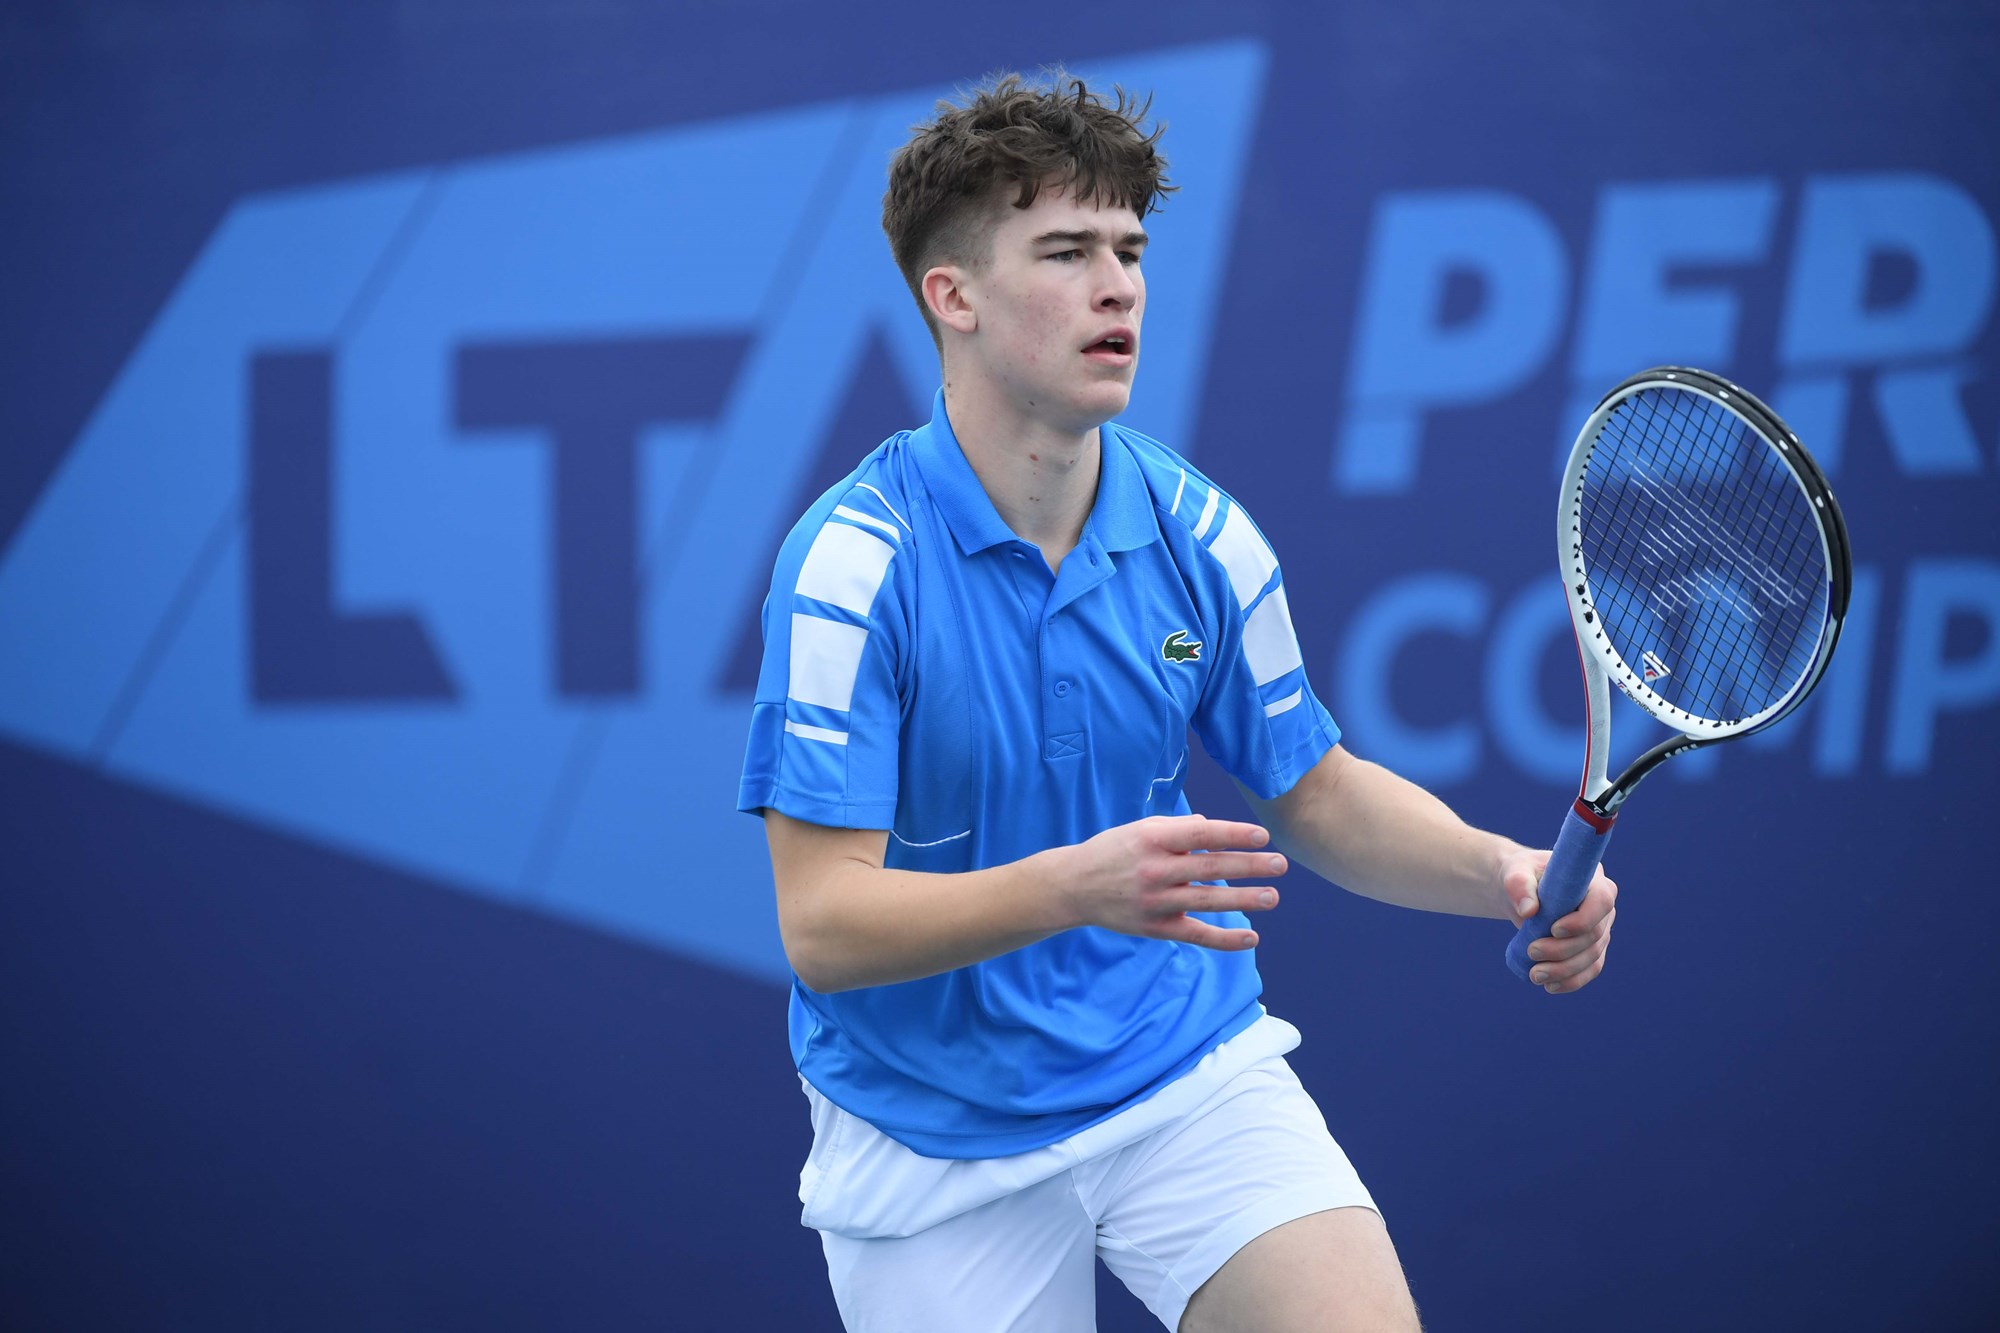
(942, 183)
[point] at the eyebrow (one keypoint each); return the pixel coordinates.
(1132, 239)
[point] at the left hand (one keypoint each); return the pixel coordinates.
(1573, 954)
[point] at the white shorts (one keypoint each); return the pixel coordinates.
(1163, 1193)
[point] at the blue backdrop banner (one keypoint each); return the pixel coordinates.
(403, 405)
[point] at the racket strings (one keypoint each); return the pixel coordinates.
(1703, 554)
(1710, 584)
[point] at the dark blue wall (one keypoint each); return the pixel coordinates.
(401, 405)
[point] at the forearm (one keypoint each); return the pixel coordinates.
(1382, 836)
(849, 921)
(867, 925)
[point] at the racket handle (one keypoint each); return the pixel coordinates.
(1567, 876)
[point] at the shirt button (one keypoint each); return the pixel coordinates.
(1062, 688)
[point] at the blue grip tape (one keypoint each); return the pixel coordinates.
(1564, 882)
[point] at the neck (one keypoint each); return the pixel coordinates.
(1041, 477)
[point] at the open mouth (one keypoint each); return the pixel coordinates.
(1116, 345)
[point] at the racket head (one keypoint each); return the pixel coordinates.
(1705, 559)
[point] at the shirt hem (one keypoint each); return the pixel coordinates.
(1285, 775)
(945, 1145)
(752, 797)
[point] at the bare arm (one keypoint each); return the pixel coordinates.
(1382, 836)
(849, 921)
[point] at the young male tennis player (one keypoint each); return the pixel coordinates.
(1026, 1017)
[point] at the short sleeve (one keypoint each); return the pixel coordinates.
(1257, 716)
(825, 729)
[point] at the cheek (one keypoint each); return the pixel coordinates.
(1038, 331)
(1045, 314)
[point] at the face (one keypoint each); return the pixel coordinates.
(1053, 315)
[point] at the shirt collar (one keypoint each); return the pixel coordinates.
(1121, 517)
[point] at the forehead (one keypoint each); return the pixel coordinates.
(1057, 210)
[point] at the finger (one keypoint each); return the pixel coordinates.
(1189, 833)
(1572, 943)
(1568, 970)
(1599, 897)
(1193, 930)
(1560, 982)
(1590, 915)
(1224, 865)
(1571, 973)
(1218, 898)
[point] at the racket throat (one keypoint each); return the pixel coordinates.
(1602, 812)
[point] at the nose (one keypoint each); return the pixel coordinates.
(1116, 288)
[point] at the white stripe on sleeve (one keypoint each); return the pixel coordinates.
(827, 734)
(1207, 514)
(885, 503)
(1269, 643)
(845, 567)
(856, 516)
(1243, 553)
(1286, 704)
(826, 657)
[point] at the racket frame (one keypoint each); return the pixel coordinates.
(1599, 797)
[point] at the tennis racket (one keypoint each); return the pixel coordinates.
(1707, 571)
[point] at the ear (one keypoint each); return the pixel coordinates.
(944, 289)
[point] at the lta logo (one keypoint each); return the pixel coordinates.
(428, 516)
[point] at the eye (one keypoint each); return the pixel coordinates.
(1065, 256)
(1128, 256)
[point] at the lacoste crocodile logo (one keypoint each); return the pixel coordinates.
(1177, 649)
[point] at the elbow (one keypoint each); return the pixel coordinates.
(817, 925)
(805, 960)
(828, 981)
(818, 967)
(813, 974)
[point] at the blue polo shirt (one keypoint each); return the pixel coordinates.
(925, 673)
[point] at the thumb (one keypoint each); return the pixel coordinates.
(1521, 892)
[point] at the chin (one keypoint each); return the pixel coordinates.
(1104, 401)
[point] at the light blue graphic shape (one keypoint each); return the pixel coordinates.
(158, 465)
(123, 634)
